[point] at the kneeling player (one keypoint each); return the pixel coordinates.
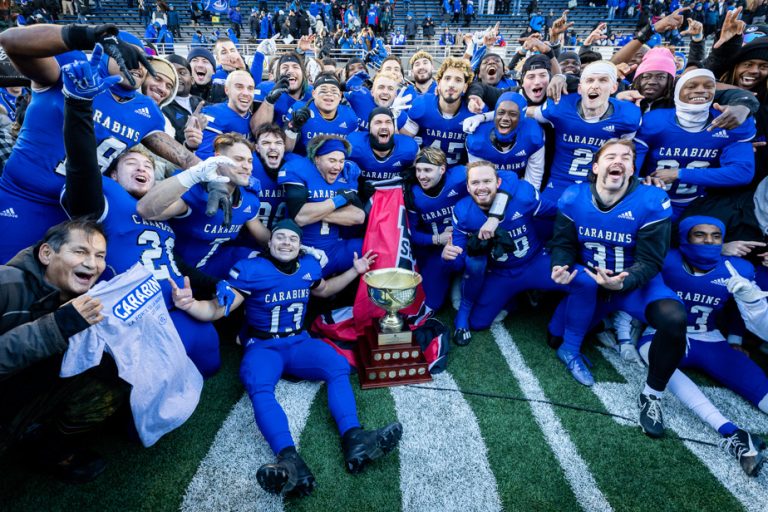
(276, 288)
(621, 228)
(512, 253)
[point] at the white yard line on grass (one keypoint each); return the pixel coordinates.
(575, 469)
(226, 477)
(443, 459)
(620, 399)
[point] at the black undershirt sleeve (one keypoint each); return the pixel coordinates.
(295, 197)
(564, 245)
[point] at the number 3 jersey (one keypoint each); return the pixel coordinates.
(704, 295)
(720, 158)
(275, 302)
(577, 140)
(608, 238)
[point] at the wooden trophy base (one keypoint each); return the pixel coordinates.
(391, 364)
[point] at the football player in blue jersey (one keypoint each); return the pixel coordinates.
(383, 93)
(516, 142)
(700, 276)
(34, 173)
(228, 58)
(491, 72)
(422, 71)
(430, 201)
(232, 116)
(112, 198)
(676, 146)
(321, 196)
(269, 158)
(8, 96)
(582, 123)
(322, 115)
(275, 289)
(620, 229)
(205, 241)
(276, 98)
(511, 253)
(437, 119)
(381, 153)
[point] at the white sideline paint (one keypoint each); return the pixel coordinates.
(576, 471)
(226, 477)
(621, 399)
(442, 443)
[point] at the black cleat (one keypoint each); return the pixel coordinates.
(289, 476)
(462, 337)
(651, 418)
(363, 446)
(746, 449)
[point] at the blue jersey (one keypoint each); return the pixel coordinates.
(275, 302)
(529, 139)
(343, 123)
(576, 140)
(271, 194)
(523, 204)
(430, 215)
(608, 238)
(704, 295)
(132, 239)
(372, 168)
(362, 102)
(199, 235)
(415, 93)
(720, 158)
(8, 101)
(36, 169)
(283, 104)
(222, 119)
(439, 131)
(302, 172)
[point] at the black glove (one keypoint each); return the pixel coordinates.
(219, 199)
(279, 88)
(477, 247)
(352, 198)
(300, 117)
(127, 56)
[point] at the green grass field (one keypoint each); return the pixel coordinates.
(484, 449)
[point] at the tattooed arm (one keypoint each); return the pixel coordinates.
(165, 146)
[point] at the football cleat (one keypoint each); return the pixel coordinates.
(651, 418)
(361, 447)
(462, 337)
(746, 449)
(607, 338)
(577, 364)
(629, 353)
(289, 476)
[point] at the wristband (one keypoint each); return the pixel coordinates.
(187, 179)
(78, 37)
(499, 205)
(645, 34)
(339, 201)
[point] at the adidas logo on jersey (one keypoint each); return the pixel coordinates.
(627, 215)
(9, 212)
(397, 164)
(247, 209)
(516, 216)
(143, 111)
(343, 125)
(722, 134)
(722, 281)
(609, 128)
(307, 277)
(452, 193)
(521, 153)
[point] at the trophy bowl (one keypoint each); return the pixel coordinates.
(392, 289)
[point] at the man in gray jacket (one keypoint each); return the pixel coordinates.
(44, 301)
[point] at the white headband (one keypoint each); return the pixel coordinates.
(691, 75)
(692, 117)
(600, 67)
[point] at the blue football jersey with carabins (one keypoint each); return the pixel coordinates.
(529, 139)
(275, 302)
(440, 131)
(222, 119)
(283, 104)
(608, 238)
(270, 192)
(431, 214)
(343, 123)
(372, 168)
(576, 140)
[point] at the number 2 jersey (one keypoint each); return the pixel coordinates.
(720, 158)
(275, 302)
(608, 238)
(576, 140)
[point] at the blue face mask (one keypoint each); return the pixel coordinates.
(701, 256)
(507, 138)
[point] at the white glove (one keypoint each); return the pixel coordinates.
(402, 102)
(629, 353)
(470, 124)
(205, 171)
(742, 288)
(318, 254)
(267, 47)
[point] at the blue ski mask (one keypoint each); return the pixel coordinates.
(702, 256)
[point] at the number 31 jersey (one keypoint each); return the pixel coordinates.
(608, 238)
